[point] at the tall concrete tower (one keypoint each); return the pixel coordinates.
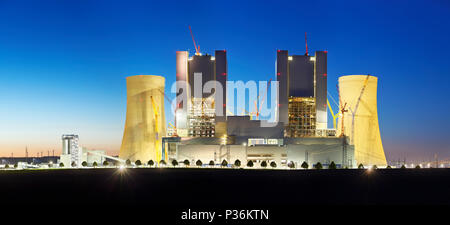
(145, 121)
(204, 114)
(71, 151)
(359, 93)
(303, 93)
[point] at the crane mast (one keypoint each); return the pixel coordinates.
(343, 110)
(366, 81)
(197, 49)
(306, 43)
(175, 112)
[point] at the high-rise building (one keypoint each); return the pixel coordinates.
(203, 114)
(303, 93)
(71, 151)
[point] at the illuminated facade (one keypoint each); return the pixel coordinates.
(202, 131)
(145, 121)
(73, 155)
(202, 114)
(71, 151)
(303, 93)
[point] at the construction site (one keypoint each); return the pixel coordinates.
(204, 130)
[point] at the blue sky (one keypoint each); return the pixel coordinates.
(63, 63)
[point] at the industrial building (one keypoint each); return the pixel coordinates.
(201, 114)
(71, 151)
(301, 135)
(73, 155)
(203, 130)
(303, 93)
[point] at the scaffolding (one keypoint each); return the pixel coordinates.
(201, 117)
(302, 117)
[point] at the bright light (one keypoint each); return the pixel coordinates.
(312, 58)
(290, 58)
(244, 144)
(224, 139)
(428, 165)
(213, 58)
(121, 170)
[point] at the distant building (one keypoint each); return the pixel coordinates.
(29, 160)
(73, 153)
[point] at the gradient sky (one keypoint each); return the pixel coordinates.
(63, 63)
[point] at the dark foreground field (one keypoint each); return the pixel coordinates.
(234, 187)
(164, 194)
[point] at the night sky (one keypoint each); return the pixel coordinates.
(63, 63)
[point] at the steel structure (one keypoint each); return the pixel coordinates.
(302, 77)
(202, 114)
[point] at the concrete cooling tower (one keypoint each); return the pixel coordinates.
(145, 121)
(359, 95)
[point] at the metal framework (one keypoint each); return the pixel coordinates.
(201, 117)
(302, 117)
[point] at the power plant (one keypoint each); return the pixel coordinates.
(204, 132)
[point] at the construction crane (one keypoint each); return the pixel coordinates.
(262, 101)
(197, 49)
(335, 116)
(342, 135)
(228, 110)
(252, 114)
(247, 113)
(159, 155)
(343, 110)
(306, 43)
(366, 81)
(175, 113)
(258, 110)
(155, 117)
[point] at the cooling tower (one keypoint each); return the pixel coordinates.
(145, 121)
(361, 120)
